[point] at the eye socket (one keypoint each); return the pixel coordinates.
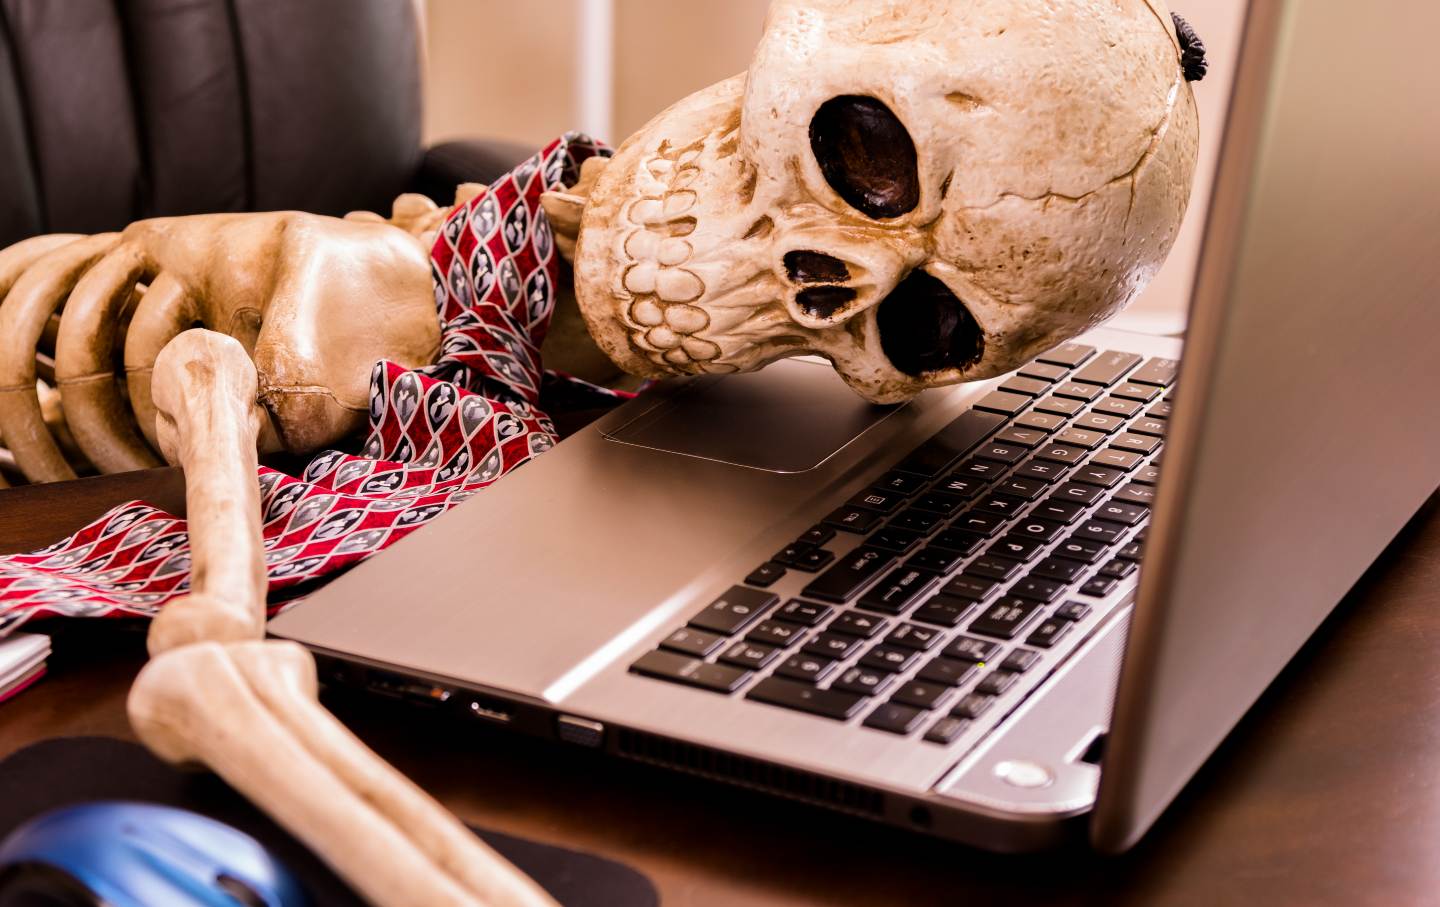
(866, 155)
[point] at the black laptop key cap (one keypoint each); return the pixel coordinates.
(853, 519)
(889, 658)
(1068, 355)
(1000, 452)
(943, 611)
(849, 575)
(922, 521)
(921, 694)
(898, 590)
(1130, 552)
(1101, 422)
(946, 730)
(898, 541)
(1060, 406)
(1133, 390)
(832, 645)
(1080, 549)
(979, 522)
(791, 553)
(1004, 505)
(1046, 422)
(857, 623)
(766, 574)
(1122, 512)
(983, 470)
(962, 486)
(776, 633)
(1097, 586)
(972, 706)
(1162, 410)
(862, 681)
(750, 655)
(935, 559)
(1072, 611)
(814, 560)
(690, 671)
(1017, 546)
(1028, 387)
(1060, 569)
(1157, 371)
(734, 611)
(1058, 511)
(951, 442)
(1147, 426)
(1118, 568)
(939, 502)
(817, 535)
(968, 585)
(913, 636)
(996, 682)
(877, 499)
(1006, 618)
(1002, 402)
(971, 650)
(1025, 437)
(1062, 453)
(1020, 661)
(1135, 493)
(1135, 443)
(1037, 529)
(807, 613)
(901, 483)
(963, 542)
(792, 695)
(1049, 632)
(1102, 531)
(1099, 476)
(1082, 392)
(947, 671)
(805, 668)
(1044, 371)
(693, 642)
(1038, 588)
(895, 718)
(1117, 406)
(993, 566)
(1081, 437)
(1074, 492)
(1107, 368)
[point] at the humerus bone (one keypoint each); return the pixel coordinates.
(217, 695)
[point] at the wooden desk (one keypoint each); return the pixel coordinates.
(1329, 792)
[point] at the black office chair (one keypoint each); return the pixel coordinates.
(116, 110)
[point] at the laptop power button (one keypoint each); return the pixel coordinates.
(580, 731)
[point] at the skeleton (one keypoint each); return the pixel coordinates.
(921, 191)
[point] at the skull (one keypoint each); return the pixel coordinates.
(921, 191)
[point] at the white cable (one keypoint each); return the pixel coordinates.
(595, 68)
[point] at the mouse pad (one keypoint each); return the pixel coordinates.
(67, 771)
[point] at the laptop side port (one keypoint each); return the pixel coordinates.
(490, 710)
(580, 731)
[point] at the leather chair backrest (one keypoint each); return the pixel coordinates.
(114, 110)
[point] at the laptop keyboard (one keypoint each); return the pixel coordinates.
(981, 558)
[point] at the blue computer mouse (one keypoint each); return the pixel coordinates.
(138, 855)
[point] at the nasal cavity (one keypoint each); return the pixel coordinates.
(815, 267)
(866, 155)
(824, 302)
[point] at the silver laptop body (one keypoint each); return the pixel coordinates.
(1305, 433)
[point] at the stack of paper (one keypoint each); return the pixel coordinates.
(22, 662)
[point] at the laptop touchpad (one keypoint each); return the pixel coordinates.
(788, 417)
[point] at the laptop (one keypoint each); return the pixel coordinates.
(1010, 613)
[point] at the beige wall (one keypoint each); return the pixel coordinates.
(506, 68)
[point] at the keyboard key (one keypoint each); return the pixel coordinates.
(921, 694)
(1001, 568)
(1099, 476)
(920, 521)
(901, 483)
(1062, 453)
(1017, 546)
(689, 641)
(817, 535)
(939, 502)
(1157, 371)
(857, 623)
(951, 443)
(1038, 421)
(898, 590)
(1119, 569)
(1122, 512)
(943, 611)
(963, 486)
(1080, 549)
(849, 575)
(972, 706)
(1068, 355)
(1107, 368)
(1115, 406)
(1101, 422)
(996, 682)
(814, 560)
(1131, 441)
(946, 730)
(1038, 588)
(1038, 530)
(1024, 437)
(898, 541)
(889, 658)
(1132, 390)
(1026, 488)
(1135, 493)
(970, 650)
(1074, 492)
(765, 575)
(983, 470)
(894, 717)
(1082, 392)
(805, 668)
(913, 636)
(1130, 552)
(1148, 474)
(877, 500)
(1006, 618)
(863, 681)
(832, 645)
(733, 611)
(1059, 406)
(1049, 633)
(853, 519)
(1027, 387)
(1042, 371)
(1002, 402)
(1004, 505)
(776, 633)
(1063, 512)
(1148, 426)
(935, 559)
(1060, 569)
(1118, 459)
(806, 698)
(963, 542)
(1019, 661)
(1102, 531)
(805, 613)
(979, 522)
(751, 655)
(1000, 453)
(1080, 437)
(947, 671)
(791, 553)
(966, 585)
(690, 671)
(1098, 586)
(1162, 410)
(1072, 611)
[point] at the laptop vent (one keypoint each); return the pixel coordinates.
(752, 773)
